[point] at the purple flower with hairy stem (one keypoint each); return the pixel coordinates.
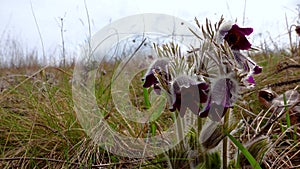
(236, 39)
(221, 97)
(246, 64)
(159, 66)
(188, 93)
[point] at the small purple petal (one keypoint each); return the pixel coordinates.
(297, 29)
(176, 103)
(257, 69)
(251, 80)
(203, 89)
(205, 111)
(150, 80)
(160, 65)
(202, 85)
(244, 31)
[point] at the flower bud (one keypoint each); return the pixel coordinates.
(211, 135)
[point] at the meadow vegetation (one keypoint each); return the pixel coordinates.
(39, 127)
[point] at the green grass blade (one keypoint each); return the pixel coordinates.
(153, 128)
(295, 133)
(246, 153)
(146, 98)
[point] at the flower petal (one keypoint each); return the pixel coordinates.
(217, 112)
(205, 111)
(221, 98)
(188, 94)
(236, 39)
(297, 29)
(245, 62)
(251, 80)
(257, 69)
(150, 80)
(160, 65)
(244, 31)
(242, 44)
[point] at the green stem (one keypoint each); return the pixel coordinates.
(199, 122)
(199, 128)
(225, 140)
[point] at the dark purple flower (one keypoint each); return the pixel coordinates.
(236, 39)
(188, 93)
(221, 97)
(161, 67)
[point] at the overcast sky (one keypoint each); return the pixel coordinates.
(267, 17)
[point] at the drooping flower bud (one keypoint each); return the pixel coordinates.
(221, 97)
(211, 135)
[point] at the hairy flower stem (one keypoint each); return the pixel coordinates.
(199, 122)
(225, 140)
(199, 128)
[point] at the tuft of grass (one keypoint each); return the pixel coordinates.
(246, 153)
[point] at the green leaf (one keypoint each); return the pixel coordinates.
(158, 106)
